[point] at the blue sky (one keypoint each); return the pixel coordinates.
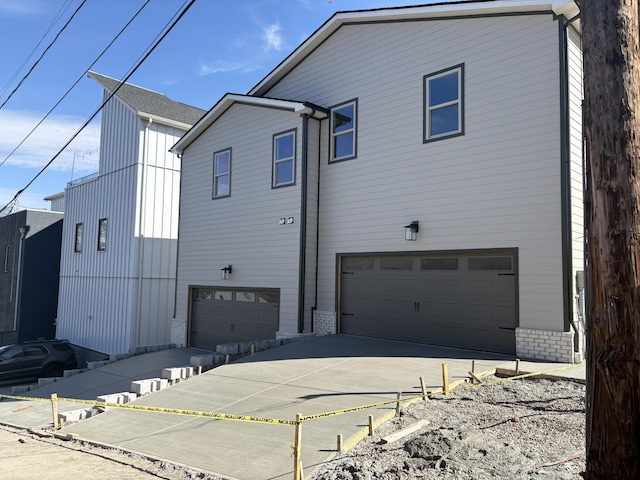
(219, 46)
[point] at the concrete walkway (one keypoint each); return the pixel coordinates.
(308, 377)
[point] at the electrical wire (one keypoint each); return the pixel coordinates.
(43, 53)
(75, 83)
(161, 37)
(63, 8)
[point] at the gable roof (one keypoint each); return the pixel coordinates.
(150, 104)
(232, 98)
(400, 14)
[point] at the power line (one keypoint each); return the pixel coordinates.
(63, 8)
(93, 115)
(43, 53)
(76, 82)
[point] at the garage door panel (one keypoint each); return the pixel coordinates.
(469, 309)
(233, 316)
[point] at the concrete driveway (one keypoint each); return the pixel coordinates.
(308, 377)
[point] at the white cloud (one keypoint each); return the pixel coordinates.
(22, 7)
(220, 66)
(273, 36)
(47, 140)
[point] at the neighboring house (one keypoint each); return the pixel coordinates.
(30, 243)
(408, 173)
(117, 275)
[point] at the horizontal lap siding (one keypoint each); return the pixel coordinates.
(242, 230)
(496, 186)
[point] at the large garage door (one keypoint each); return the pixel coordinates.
(460, 300)
(232, 315)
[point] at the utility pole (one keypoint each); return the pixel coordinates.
(612, 128)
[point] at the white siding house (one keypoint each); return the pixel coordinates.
(119, 247)
(461, 119)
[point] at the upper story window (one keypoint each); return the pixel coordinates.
(77, 244)
(343, 131)
(102, 235)
(444, 104)
(284, 159)
(222, 173)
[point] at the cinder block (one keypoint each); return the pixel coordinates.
(187, 372)
(109, 398)
(73, 415)
(219, 359)
(128, 397)
(17, 389)
(152, 348)
(201, 360)
(98, 364)
(159, 384)
(273, 343)
(141, 387)
(171, 373)
(139, 350)
(114, 357)
(46, 381)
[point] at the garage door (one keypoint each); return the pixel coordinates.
(232, 315)
(460, 300)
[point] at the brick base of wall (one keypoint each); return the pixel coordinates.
(324, 323)
(179, 332)
(547, 345)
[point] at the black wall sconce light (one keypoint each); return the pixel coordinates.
(411, 230)
(225, 272)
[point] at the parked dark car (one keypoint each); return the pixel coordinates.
(47, 358)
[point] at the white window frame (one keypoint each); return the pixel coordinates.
(428, 108)
(216, 176)
(333, 135)
(102, 232)
(277, 161)
(77, 244)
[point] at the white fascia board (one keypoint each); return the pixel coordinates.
(164, 121)
(231, 98)
(55, 196)
(560, 7)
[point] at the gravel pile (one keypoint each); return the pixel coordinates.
(521, 429)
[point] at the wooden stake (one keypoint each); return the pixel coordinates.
(226, 360)
(297, 450)
(253, 348)
(398, 404)
(339, 446)
(475, 378)
(424, 388)
(371, 425)
(54, 410)
(445, 378)
(517, 366)
(199, 369)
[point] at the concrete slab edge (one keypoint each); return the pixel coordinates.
(507, 372)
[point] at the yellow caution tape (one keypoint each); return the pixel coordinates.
(174, 411)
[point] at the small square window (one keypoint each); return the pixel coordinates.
(444, 104)
(343, 131)
(284, 159)
(222, 173)
(77, 245)
(102, 235)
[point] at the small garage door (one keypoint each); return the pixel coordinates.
(459, 300)
(232, 315)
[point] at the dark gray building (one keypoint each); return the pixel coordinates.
(29, 275)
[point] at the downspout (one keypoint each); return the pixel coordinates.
(318, 214)
(143, 197)
(565, 179)
(303, 221)
(23, 234)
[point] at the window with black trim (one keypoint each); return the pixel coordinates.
(77, 244)
(343, 131)
(444, 104)
(284, 159)
(102, 235)
(222, 173)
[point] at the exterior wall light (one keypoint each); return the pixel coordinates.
(225, 272)
(411, 230)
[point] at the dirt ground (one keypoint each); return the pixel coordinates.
(521, 429)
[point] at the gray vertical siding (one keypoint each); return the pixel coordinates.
(497, 186)
(119, 136)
